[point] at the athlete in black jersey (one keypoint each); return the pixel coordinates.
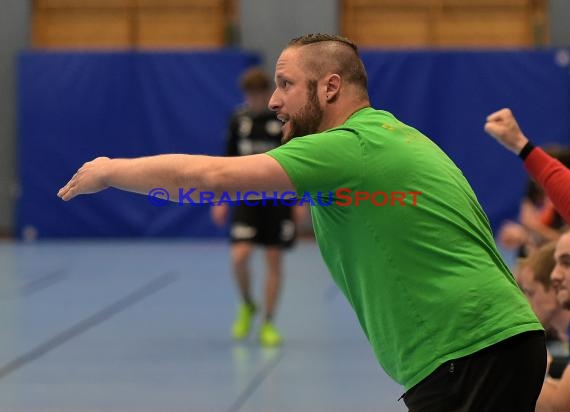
(255, 129)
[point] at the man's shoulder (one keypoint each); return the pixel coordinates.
(366, 117)
(353, 126)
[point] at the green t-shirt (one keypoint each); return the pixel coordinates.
(423, 274)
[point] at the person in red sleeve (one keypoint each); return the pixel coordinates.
(548, 172)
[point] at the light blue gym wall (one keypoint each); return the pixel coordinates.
(559, 22)
(14, 28)
(267, 25)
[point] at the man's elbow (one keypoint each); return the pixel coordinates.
(214, 180)
(210, 180)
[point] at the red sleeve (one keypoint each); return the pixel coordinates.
(554, 178)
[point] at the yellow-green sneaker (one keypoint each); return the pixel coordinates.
(242, 324)
(269, 335)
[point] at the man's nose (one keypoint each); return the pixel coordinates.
(555, 275)
(274, 102)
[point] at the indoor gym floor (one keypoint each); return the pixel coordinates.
(141, 326)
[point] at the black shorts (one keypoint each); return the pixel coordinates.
(269, 225)
(504, 377)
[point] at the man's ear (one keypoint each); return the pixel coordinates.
(333, 82)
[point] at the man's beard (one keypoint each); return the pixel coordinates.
(309, 118)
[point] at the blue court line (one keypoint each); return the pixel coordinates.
(255, 383)
(42, 282)
(82, 326)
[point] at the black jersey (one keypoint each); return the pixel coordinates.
(269, 225)
(251, 133)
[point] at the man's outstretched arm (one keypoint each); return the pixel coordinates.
(177, 171)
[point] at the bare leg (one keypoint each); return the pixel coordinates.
(241, 252)
(273, 280)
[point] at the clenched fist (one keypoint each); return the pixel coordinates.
(503, 126)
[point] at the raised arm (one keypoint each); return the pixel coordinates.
(553, 176)
(548, 172)
(177, 171)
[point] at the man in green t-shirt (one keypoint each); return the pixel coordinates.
(398, 226)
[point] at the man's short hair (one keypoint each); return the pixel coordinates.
(319, 37)
(336, 54)
(541, 263)
(255, 80)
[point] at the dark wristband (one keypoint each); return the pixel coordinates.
(526, 150)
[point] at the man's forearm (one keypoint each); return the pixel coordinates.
(170, 172)
(553, 177)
